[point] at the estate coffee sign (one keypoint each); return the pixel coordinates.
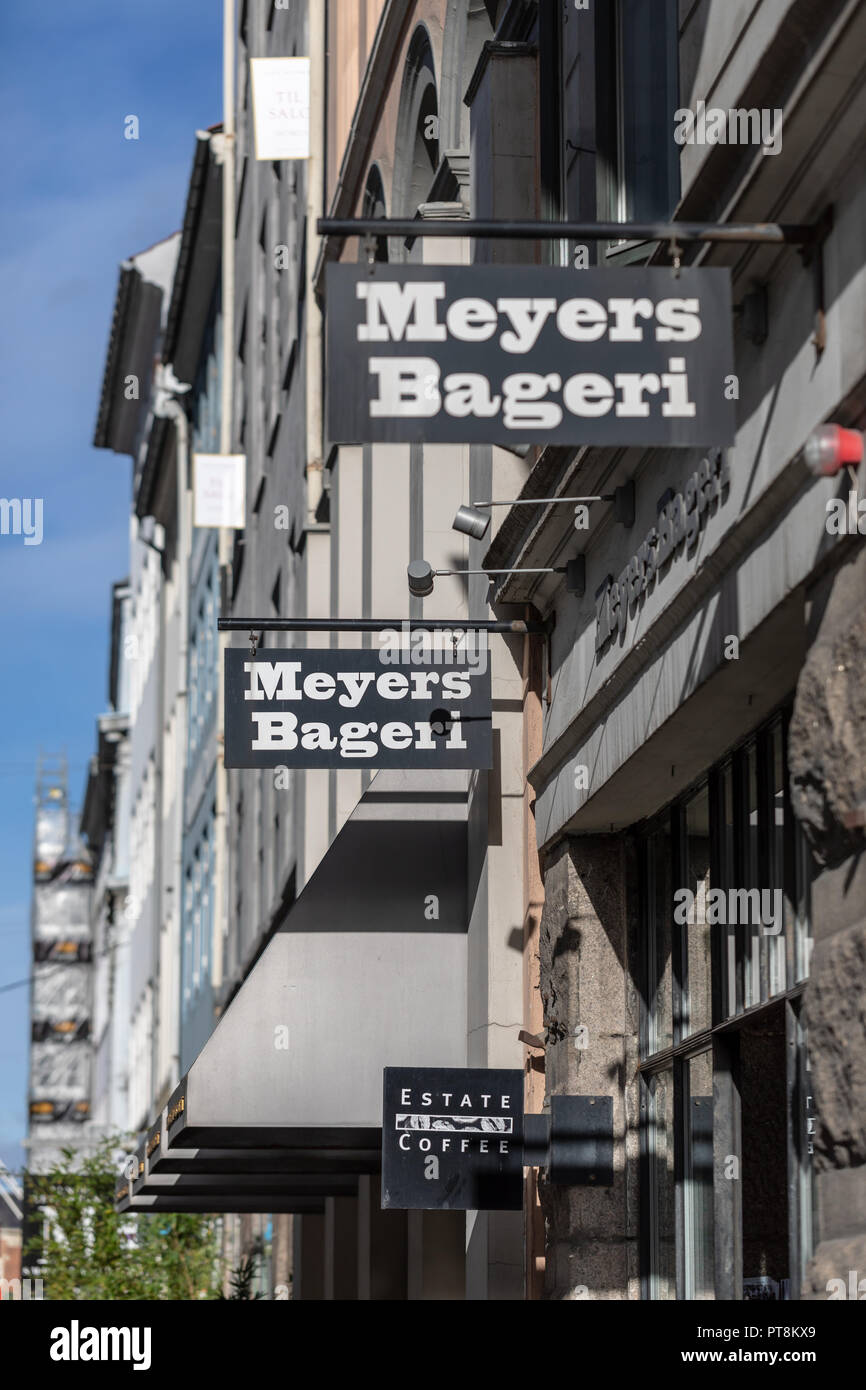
(389, 707)
(530, 354)
(452, 1139)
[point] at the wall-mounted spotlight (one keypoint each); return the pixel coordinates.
(421, 578)
(422, 575)
(472, 521)
(830, 448)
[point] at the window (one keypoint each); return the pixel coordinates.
(697, 1179)
(374, 206)
(468, 25)
(658, 1105)
(696, 1008)
(198, 908)
(725, 940)
(637, 83)
(416, 155)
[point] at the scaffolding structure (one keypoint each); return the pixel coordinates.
(61, 972)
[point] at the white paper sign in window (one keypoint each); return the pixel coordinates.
(219, 483)
(281, 107)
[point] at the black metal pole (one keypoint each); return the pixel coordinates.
(770, 233)
(518, 627)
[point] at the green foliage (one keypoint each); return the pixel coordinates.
(241, 1280)
(88, 1251)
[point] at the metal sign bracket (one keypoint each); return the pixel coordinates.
(573, 1142)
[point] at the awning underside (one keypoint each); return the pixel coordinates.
(368, 971)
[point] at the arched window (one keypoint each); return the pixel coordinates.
(468, 25)
(374, 206)
(416, 157)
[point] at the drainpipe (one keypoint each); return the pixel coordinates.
(158, 874)
(317, 27)
(225, 149)
(169, 407)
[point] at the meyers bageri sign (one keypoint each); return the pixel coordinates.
(402, 705)
(680, 519)
(538, 354)
(452, 1139)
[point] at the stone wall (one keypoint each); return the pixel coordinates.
(591, 1029)
(828, 791)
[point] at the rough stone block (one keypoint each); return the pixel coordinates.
(835, 1012)
(828, 726)
(836, 1260)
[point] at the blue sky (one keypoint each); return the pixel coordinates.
(78, 199)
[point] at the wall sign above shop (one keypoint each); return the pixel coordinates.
(534, 354)
(680, 519)
(452, 1139)
(309, 707)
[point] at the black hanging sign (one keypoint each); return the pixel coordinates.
(427, 706)
(530, 354)
(452, 1139)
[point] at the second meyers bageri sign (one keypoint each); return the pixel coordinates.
(539, 354)
(322, 708)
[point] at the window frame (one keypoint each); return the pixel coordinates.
(612, 182)
(720, 1037)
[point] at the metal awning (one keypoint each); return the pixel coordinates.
(160, 1160)
(278, 1183)
(247, 1185)
(216, 1193)
(219, 1204)
(368, 971)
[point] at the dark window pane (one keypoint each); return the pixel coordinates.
(697, 995)
(659, 900)
(698, 1216)
(729, 934)
(781, 927)
(660, 1093)
(649, 164)
(748, 879)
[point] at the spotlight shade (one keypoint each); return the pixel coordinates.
(575, 575)
(420, 578)
(623, 504)
(471, 521)
(830, 448)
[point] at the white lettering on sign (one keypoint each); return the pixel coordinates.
(280, 730)
(459, 354)
(468, 1122)
(277, 680)
(397, 311)
(353, 706)
(423, 1128)
(409, 312)
(409, 387)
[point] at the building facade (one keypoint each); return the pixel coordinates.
(651, 899)
(11, 1216)
(105, 823)
(125, 425)
(669, 751)
(685, 743)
